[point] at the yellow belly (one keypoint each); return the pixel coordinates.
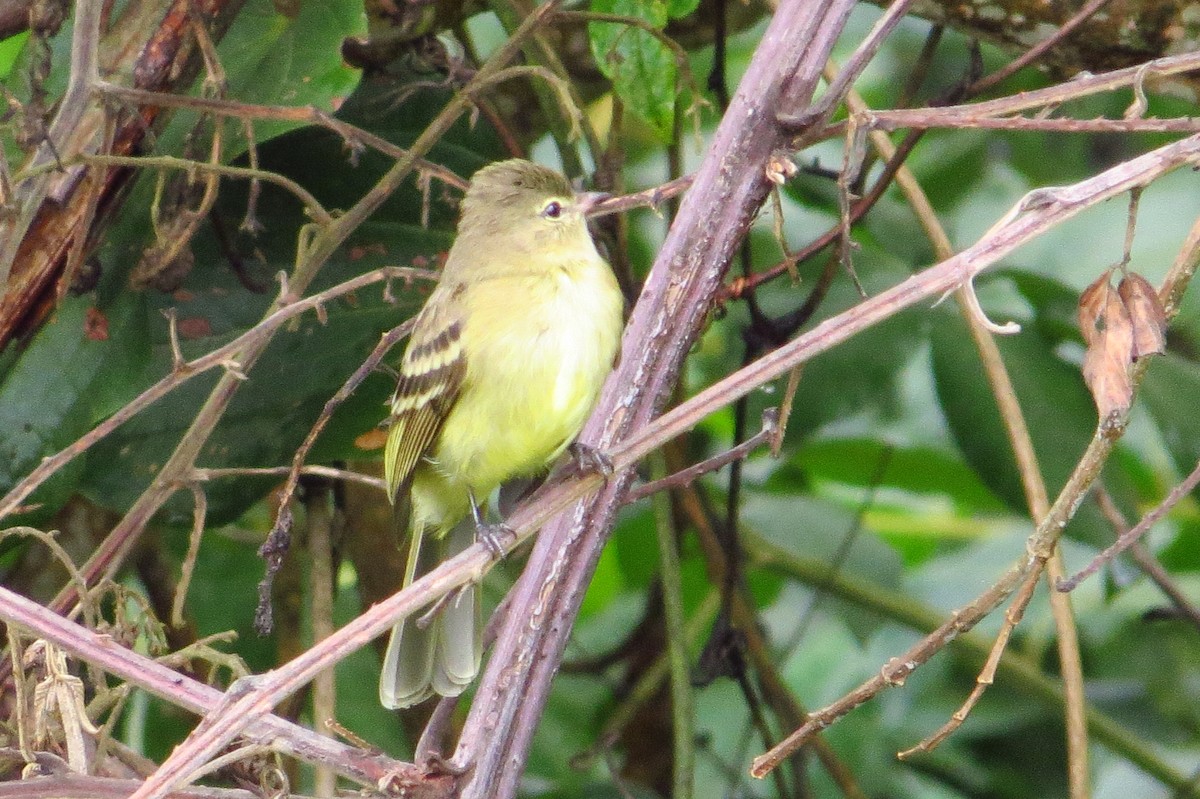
(537, 354)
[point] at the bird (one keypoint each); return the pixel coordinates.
(504, 364)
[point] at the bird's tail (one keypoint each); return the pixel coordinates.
(443, 658)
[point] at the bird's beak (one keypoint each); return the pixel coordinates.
(588, 200)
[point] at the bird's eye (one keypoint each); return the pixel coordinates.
(553, 210)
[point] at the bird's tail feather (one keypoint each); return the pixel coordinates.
(459, 637)
(444, 657)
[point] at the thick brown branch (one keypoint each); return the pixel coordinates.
(682, 285)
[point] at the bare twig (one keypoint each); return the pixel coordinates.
(1125, 539)
(770, 429)
(1037, 51)
(1146, 561)
(312, 206)
(85, 72)
(308, 115)
(1025, 674)
(987, 675)
(1034, 487)
(328, 472)
(199, 511)
(992, 113)
(1042, 541)
(1174, 283)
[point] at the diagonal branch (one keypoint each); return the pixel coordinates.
(1037, 213)
(364, 767)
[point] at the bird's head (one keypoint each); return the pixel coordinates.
(521, 197)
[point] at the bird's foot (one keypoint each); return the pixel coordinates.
(586, 458)
(493, 537)
(490, 535)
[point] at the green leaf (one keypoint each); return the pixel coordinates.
(265, 50)
(681, 8)
(10, 51)
(921, 470)
(642, 68)
(1057, 408)
(1170, 389)
(48, 396)
(1057, 303)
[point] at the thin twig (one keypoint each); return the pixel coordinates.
(1031, 481)
(993, 112)
(186, 569)
(683, 477)
(987, 674)
(1037, 51)
(312, 206)
(1040, 544)
(1146, 561)
(1025, 674)
(328, 472)
(308, 115)
(1125, 539)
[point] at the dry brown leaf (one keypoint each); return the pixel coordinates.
(1146, 314)
(1109, 354)
(1091, 306)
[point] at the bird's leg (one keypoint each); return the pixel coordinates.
(587, 458)
(490, 534)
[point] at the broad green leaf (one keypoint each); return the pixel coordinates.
(10, 50)
(921, 470)
(1058, 411)
(48, 396)
(1057, 408)
(642, 68)
(1171, 392)
(273, 59)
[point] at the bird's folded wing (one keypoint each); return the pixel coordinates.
(431, 375)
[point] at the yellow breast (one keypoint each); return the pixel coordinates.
(537, 353)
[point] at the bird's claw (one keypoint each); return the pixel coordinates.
(590, 459)
(492, 536)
